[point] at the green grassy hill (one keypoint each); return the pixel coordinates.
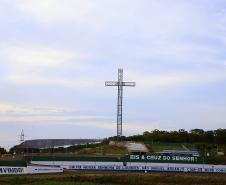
(89, 149)
(158, 147)
(104, 150)
(97, 149)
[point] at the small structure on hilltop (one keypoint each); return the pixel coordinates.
(22, 136)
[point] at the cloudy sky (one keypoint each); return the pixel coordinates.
(55, 56)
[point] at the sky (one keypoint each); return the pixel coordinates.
(55, 56)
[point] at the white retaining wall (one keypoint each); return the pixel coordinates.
(134, 166)
(29, 170)
(43, 169)
(12, 170)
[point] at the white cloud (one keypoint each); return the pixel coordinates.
(80, 121)
(35, 64)
(5, 107)
(30, 79)
(55, 11)
(7, 140)
(205, 116)
(157, 82)
(48, 118)
(49, 115)
(30, 59)
(9, 109)
(150, 18)
(17, 113)
(28, 66)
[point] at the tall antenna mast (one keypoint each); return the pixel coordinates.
(22, 136)
(120, 84)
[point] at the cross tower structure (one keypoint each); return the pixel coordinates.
(120, 84)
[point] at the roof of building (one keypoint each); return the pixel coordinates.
(192, 152)
(51, 143)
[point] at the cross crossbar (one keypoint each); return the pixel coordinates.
(114, 83)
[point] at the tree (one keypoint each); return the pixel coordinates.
(182, 136)
(196, 135)
(2, 151)
(209, 136)
(220, 136)
(197, 131)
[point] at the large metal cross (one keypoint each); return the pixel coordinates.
(120, 85)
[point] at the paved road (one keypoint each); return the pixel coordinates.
(136, 147)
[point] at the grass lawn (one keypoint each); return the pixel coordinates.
(161, 147)
(62, 183)
(104, 150)
(119, 178)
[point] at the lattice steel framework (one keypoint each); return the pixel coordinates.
(22, 136)
(120, 85)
